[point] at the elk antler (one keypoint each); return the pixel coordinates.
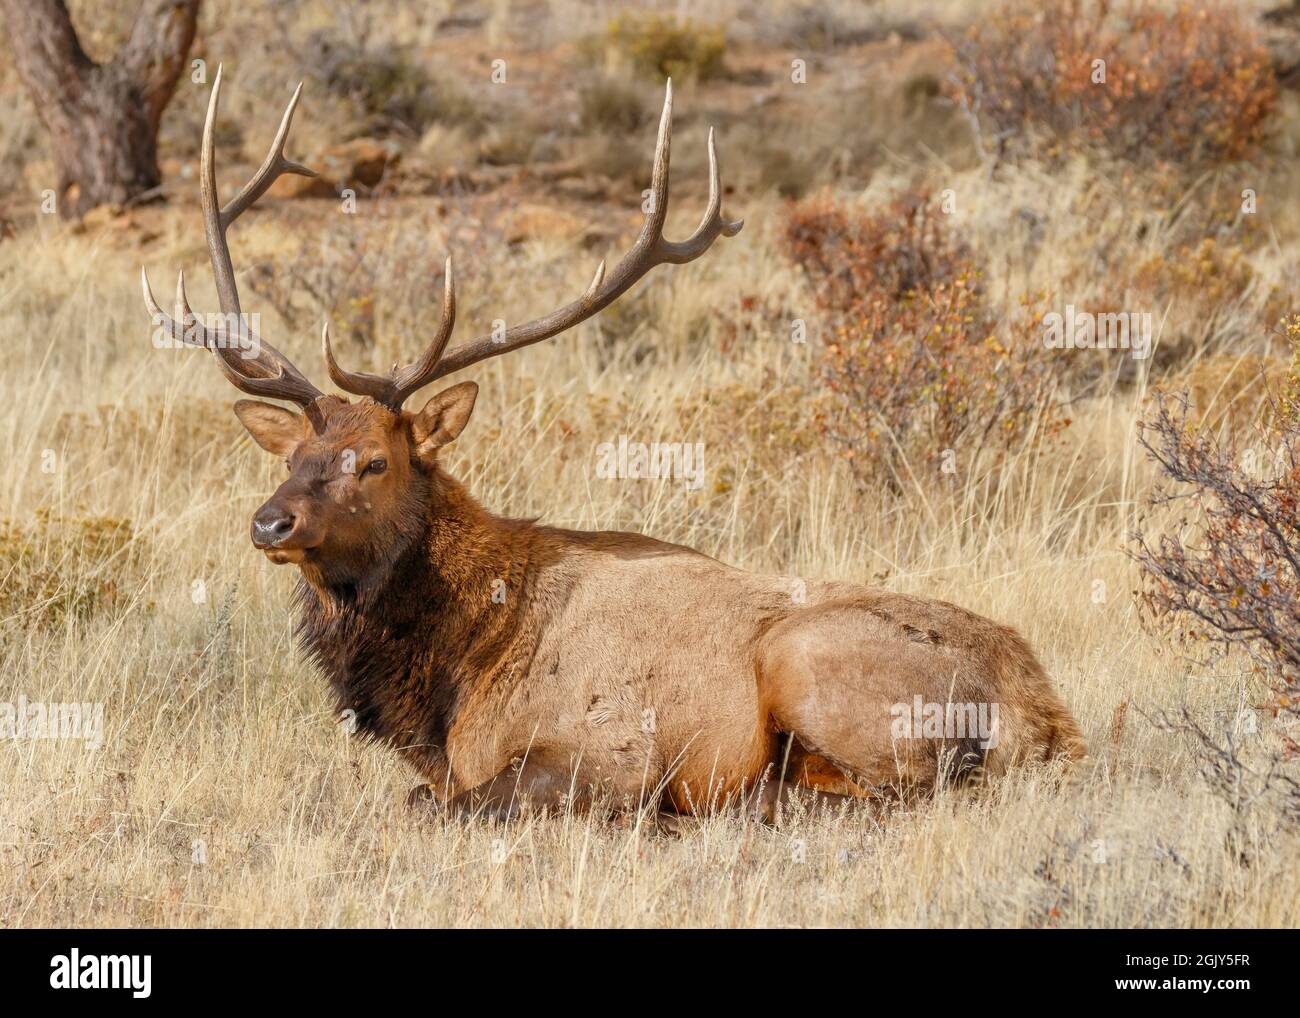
(650, 249)
(250, 363)
(256, 367)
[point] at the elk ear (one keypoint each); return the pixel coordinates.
(443, 418)
(274, 428)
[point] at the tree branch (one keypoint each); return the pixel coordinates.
(154, 53)
(47, 52)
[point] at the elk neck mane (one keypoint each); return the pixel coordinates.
(405, 644)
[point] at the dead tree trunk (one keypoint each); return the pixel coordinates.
(102, 118)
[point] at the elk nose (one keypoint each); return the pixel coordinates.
(272, 525)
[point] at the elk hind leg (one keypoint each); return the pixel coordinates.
(831, 676)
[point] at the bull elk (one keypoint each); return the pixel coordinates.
(571, 687)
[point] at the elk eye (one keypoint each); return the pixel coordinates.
(288, 465)
(376, 466)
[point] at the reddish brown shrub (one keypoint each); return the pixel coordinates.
(1188, 86)
(914, 362)
(853, 258)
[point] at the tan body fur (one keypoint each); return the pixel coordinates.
(634, 663)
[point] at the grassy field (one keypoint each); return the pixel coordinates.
(224, 791)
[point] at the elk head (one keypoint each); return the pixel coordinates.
(363, 475)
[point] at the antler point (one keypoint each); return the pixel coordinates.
(149, 300)
(596, 280)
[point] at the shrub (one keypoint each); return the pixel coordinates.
(1212, 298)
(1209, 272)
(386, 86)
(1288, 405)
(1232, 574)
(607, 104)
(1188, 86)
(915, 363)
(851, 258)
(1226, 577)
(54, 567)
(662, 46)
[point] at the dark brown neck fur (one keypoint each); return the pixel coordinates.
(405, 644)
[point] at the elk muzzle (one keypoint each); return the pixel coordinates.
(278, 531)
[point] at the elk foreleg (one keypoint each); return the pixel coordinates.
(518, 788)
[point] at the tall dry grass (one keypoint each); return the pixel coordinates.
(226, 793)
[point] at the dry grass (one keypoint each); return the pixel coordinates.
(220, 744)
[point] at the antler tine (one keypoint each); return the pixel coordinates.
(278, 379)
(392, 390)
(649, 250)
(185, 327)
(223, 270)
(682, 251)
(421, 372)
(216, 220)
(249, 362)
(658, 215)
(273, 166)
